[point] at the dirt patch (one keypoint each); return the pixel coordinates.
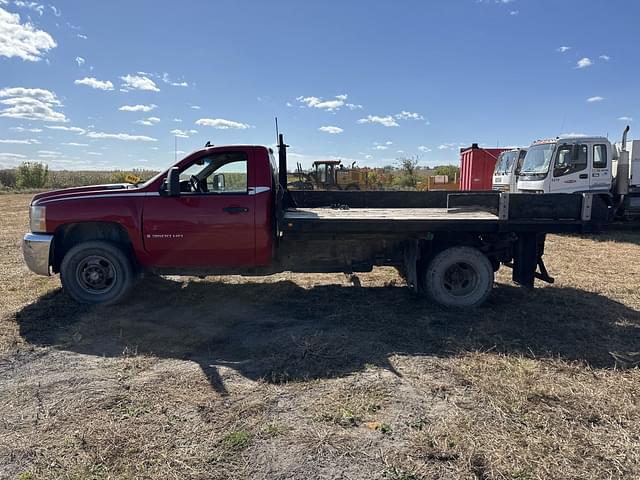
(307, 376)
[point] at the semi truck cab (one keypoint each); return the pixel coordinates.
(505, 175)
(567, 165)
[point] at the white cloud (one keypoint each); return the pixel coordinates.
(137, 108)
(513, 13)
(331, 129)
(183, 133)
(168, 81)
(31, 104)
(80, 61)
(195, 107)
(595, 99)
(404, 115)
(424, 149)
(448, 146)
(36, 7)
(353, 106)
(78, 130)
(22, 40)
(149, 121)
(96, 154)
(22, 129)
(55, 11)
(606, 58)
(121, 136)
(80, 35)
(387, 121)
(74, 144)
(584, 63)
(221, 123)
(328, 105)
(95, 83)
(380, 147)
(177, 120)
(573, 134)
(563, 49)
(625, 119)
(138, 82)
(20, 142)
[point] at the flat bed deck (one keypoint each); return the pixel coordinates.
(418, 212)
(390, 220)
(388, 214)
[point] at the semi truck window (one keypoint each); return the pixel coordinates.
(570, 159)
(599, 156)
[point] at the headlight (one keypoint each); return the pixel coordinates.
(37, 219)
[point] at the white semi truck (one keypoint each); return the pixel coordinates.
(585, 165)
(505, 175)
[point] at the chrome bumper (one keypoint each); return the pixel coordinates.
(36, 248)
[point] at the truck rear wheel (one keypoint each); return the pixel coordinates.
(96, 272)
(459, 277)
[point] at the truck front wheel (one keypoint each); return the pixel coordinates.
(459, 277)
(96, 272)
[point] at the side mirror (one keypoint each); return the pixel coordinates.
(218, 182)
(173, 182)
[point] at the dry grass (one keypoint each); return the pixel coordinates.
(306, 376)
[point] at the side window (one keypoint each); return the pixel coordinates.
(570, 159)
(599, 156)
(217, 174)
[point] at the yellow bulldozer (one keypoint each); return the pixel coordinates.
(332, 175)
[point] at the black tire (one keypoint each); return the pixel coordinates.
(459, 277)
(96, 272)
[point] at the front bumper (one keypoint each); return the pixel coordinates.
(36, 249)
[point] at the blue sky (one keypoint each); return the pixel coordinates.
(100, 85)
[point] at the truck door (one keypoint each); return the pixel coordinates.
(601, 168)
(570, 170)
(515, 170)
(212, 222)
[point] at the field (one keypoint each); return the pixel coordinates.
(308, 376)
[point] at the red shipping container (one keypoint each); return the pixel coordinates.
(476, 167)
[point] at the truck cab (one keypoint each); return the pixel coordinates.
(567, 165)
(505, 175)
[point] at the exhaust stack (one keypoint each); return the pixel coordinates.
(622, 176)
(282, 162)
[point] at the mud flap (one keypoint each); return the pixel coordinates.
(411, 257)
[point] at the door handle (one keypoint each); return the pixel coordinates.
(235, 210)
(583, 175)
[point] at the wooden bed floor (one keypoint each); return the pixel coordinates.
(395, 214)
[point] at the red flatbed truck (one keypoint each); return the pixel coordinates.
(226, 210)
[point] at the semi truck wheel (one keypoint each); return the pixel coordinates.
(96, 272)
(459, 277)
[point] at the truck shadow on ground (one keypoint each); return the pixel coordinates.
(280, 332)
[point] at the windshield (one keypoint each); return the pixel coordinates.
(505, 162)
(537, 159)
